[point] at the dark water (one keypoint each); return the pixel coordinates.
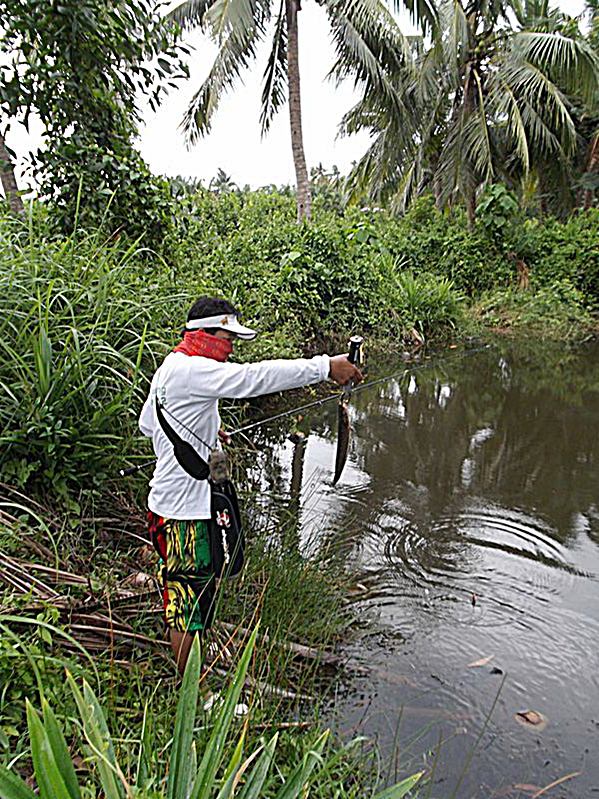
(469, 510)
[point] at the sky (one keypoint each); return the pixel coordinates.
(234, 143)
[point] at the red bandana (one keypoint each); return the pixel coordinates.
(198, 342)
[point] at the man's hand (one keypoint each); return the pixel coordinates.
(342, 371)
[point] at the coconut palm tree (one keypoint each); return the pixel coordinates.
(364, 32)
(490, 97)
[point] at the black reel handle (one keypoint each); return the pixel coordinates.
(134, 469)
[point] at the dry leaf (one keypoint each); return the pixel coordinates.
(481, 662)
(531, 718)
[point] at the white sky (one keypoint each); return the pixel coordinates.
(234, 143)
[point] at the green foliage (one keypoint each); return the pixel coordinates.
(57, 779)
(80, 65)
(496, 209)
(85, 321)
(491, 95)
(554, 250)
(554, 311)
(427, 303)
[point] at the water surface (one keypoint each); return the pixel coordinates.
(469, 511)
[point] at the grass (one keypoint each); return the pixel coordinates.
(211, 765)
(137, 685)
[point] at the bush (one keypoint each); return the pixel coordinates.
(85, 321)
(556, 311)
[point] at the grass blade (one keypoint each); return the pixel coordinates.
(13, 787)
(47, 774)
(401, 788)
(98, 738)
(213, 753)
(180, 765)
(232, 774)
(294, 785)
(60, 751)
(255, 782)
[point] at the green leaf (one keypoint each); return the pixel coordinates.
(232, 773)
(295, 783)
(401, 789)
(213, 753)
(60, 750)
(98, 738)
(180, 774)
(13, 787)
(47, 774)
(257, 777)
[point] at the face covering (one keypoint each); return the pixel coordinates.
(198, 342)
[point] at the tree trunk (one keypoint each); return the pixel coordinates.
(471, 207)
(9, 182)
(304, 200)
(592, 166)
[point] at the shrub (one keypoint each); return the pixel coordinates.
(556, 311)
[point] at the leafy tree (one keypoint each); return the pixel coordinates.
(490, 98)
(79, 65)
(362, 31)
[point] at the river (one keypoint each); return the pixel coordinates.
(469, 513)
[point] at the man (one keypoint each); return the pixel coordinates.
(188, 385)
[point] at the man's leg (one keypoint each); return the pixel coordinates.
(181, 644)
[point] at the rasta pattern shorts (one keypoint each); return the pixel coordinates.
(188, 583)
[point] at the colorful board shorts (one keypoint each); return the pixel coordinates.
(188, 584)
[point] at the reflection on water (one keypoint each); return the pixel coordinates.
(470, 510)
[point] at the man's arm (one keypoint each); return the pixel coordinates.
(209, 378)
(239, 381)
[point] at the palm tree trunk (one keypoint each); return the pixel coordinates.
(304, 200)
(9, 182)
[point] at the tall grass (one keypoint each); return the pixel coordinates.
(85, 320)
(78, 325)
(220, 769)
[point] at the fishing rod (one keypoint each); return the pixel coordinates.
(317, 403)
(360, 387)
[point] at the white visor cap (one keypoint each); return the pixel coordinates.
(224, 322)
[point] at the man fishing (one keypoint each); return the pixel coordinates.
(187, 388)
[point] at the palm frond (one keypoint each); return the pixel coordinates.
(423, 12)
(237, 50)
(570, 63)
(369, 45)
(274, 92)
(507, 113)
(226, 18)
(455, 43)
(482, 155)
(190, 13)
(543, 105)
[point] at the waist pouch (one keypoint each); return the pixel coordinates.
(226, 535)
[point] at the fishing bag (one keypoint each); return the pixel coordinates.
(226, 534)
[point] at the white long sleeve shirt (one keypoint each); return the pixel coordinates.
(189, 387)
